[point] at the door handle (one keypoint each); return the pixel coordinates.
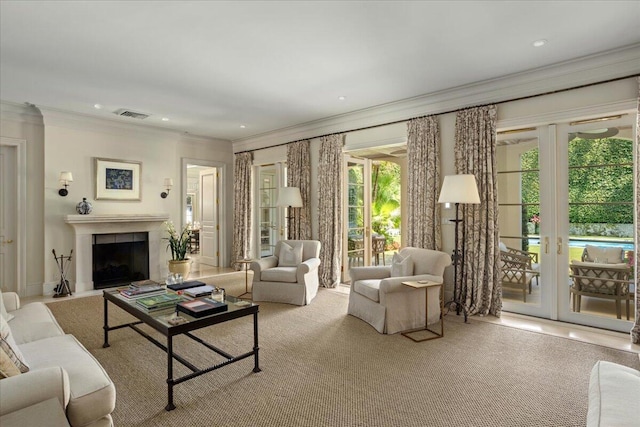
(8, 241)
(546, 244)
(559, 245)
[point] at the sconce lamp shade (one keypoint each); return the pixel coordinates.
(66, 177)
(168, 182)
(289, 196)
(459, 189)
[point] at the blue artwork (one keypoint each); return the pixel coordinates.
(119, 179)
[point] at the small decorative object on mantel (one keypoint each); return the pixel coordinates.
(84, 207)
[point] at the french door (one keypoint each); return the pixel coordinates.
(356, 250)
(561, 187)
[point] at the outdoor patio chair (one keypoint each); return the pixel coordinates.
(516, 272)
(609, 281)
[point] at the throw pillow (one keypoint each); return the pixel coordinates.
(289, 256)
(401, 266)
(3, 310)
(5, 330)
(7, 367)
(11, 349)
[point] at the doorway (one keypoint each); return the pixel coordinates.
(560, 188)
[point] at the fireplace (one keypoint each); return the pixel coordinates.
(87, 226)
(119, 258)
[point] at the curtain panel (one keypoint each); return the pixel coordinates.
(241, 209)
(330, 209)
(475, 153)
(423, 182)
(299, 175)
(635, 331)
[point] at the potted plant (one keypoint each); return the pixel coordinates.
(179, 243)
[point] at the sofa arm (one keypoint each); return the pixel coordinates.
(377, 272)
(11, 301)
(394, 284)
(262, 264)
(24, 390)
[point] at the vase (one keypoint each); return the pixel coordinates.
(182, 267)
(84, 207)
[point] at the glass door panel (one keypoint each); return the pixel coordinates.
(269, 225)
(356, 246)
(525, 288)
(597, 184)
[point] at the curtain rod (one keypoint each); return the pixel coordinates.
(448, 112)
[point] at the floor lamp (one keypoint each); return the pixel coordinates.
(459, 189)
(289, 197)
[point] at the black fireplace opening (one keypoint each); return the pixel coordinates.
(120, 258)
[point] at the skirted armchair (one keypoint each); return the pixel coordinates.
(290, 275)
(379, 298)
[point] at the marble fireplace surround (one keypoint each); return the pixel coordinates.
(85, 226)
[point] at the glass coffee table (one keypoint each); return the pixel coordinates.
(236, 308)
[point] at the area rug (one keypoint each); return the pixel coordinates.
(322, 367)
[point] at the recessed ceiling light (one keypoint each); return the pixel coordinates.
(242, 126)
(97, 106)
(165, 119)
(342, 98)
(539, 43)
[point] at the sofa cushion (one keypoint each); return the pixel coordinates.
(401, 266)
(33, 322)
(613, 394)
(280, 274)
(369, 288)
(7, 367)
(289, 255)
(92, 393)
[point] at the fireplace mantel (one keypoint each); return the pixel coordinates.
(85, 226)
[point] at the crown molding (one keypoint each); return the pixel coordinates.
(592, 69)
(22, 113)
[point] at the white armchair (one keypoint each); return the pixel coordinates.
(290, 281)
(379, 298)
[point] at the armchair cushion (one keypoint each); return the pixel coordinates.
(280, 274)
(290, 255)
(607, 255)
(401, 266)
(370, 288)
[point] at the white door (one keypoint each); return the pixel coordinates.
(595, 206)
(357, 214)
(8, 216)
(209, 226)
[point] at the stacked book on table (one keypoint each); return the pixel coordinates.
(149, 295)
(201, 307)
(159, 302)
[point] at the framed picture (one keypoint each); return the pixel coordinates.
(117, 179)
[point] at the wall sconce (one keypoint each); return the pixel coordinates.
(65, 179)
(168, 183)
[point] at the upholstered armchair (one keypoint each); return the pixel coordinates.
(379, 298)
(290, 275)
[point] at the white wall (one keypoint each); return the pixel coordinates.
(70, 142)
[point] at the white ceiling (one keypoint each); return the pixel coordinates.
(212, 66)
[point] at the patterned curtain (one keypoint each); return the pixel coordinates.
(475, 153)
(635, 331)
(423, 181)
(330, 209)
(241, 209)
(298, 175)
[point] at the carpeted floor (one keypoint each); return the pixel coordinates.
(321, 367)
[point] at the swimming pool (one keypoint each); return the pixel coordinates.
(581, 243)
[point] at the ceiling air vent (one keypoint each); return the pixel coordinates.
(128, 113)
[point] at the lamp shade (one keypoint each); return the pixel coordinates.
(168, 182)
(289, 196)
(66, 177)
(459, 189)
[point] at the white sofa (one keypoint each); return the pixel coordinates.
(614, 396)
(59, 367)
(379, 298)
(288, 284)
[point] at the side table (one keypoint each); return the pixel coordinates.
(426, 284)
(246, 263)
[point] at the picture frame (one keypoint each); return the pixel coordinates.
(118, 179)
